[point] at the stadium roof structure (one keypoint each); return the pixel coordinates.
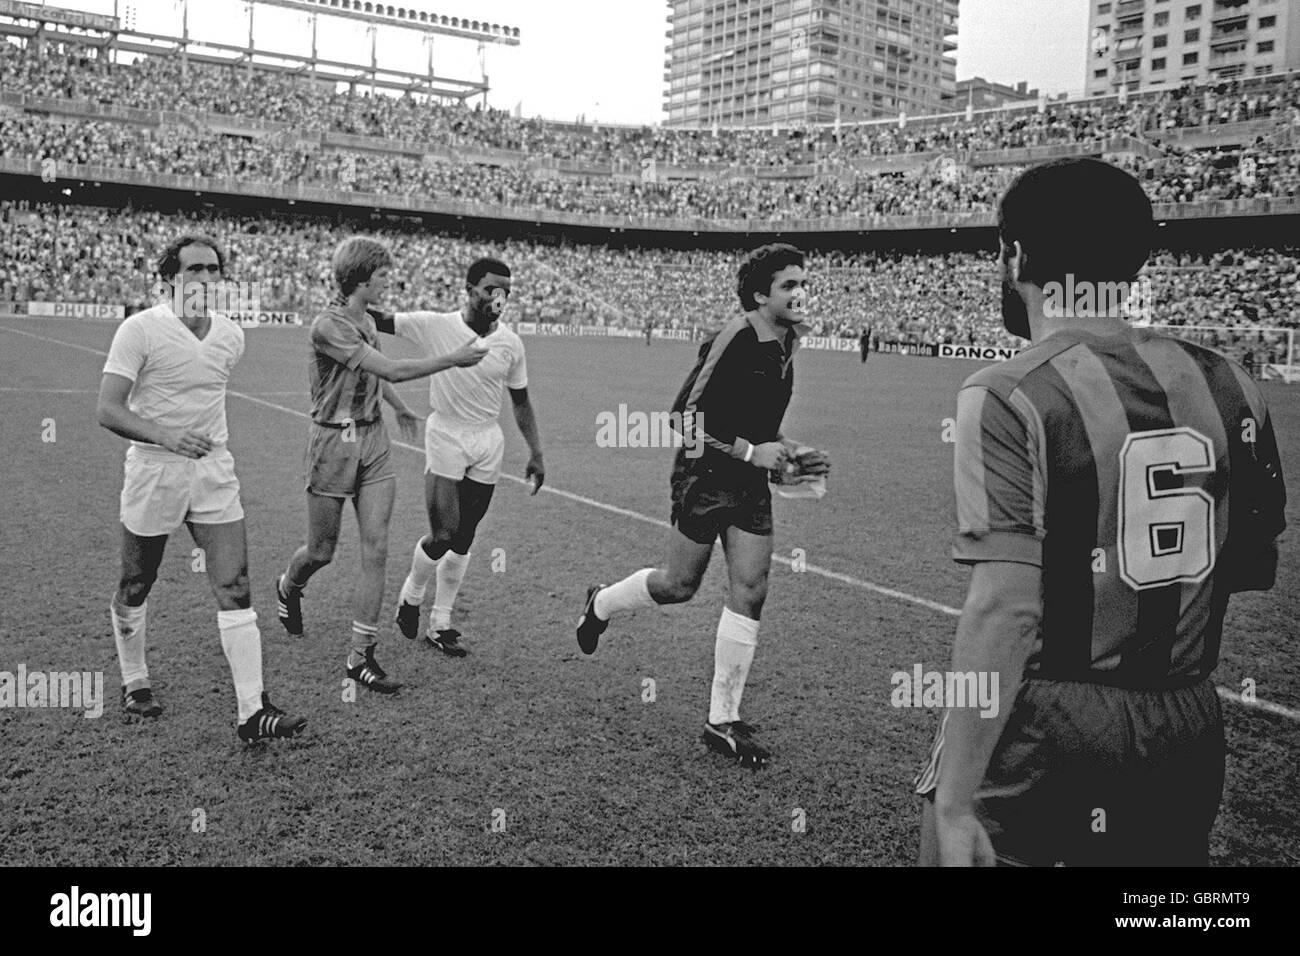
(41, 23)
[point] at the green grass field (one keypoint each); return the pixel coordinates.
(562, 751)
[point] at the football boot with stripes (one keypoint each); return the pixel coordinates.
(270, 723)
(371, 676)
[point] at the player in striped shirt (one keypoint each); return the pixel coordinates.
(348, 451)
(731, 407)
(164, 387)
(1114, 487)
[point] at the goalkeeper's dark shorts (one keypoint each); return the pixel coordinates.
(706, 501)
(1091, 775)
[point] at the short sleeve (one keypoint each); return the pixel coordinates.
(340, 340)
(518, 375)
(998, 480)
(127, 354)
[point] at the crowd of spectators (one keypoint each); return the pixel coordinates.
(1269, 166)
(89, 254)
(168, 82)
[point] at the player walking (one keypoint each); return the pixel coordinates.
(164, 388)
(1114, 487)
(463, 443)
(733, 403)
(348, 452)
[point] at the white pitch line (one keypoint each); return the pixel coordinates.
(1224, 692)
(51, 391)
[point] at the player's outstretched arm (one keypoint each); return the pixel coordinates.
(996, 634)
(403, 370)
(527, 422)
(115, 415)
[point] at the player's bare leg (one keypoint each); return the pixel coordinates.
(674, 583)
(455, 510)
(225, 554)
(141, 558)
(374, 507)
(324, 516)
(749, 559)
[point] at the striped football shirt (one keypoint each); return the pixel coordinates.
(340, 391)
(1141, 473)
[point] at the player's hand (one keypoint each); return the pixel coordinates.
(963, 841)
(812, 463)
(409, 424)
(536, 471)
(186, 442)
(471, 353)
(770, 456)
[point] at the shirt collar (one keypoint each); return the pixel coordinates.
(768, 331)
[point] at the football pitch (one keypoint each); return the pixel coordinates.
(527, 752)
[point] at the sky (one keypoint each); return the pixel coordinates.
(604, 59)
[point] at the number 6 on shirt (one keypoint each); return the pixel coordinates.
(1166, 535)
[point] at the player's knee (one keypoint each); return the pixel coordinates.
(749, 596)
(677, 590)
(232, 590)
(321, 553)
(132, 589)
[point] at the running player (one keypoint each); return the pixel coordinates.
(348, 454)
(463, 442)
(164, 388)
(731, 407)
(1114, 487)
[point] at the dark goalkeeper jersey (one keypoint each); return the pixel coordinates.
(1141, 474)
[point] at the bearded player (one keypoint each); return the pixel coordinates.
(1114, 487)
(731, 407)
(463, 442)
(164, 388)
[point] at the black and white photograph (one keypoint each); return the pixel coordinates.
(666, 434)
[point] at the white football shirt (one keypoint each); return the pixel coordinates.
(180, 381)
(466, 396)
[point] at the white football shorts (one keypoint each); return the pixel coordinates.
(162, 491)
(456, 451)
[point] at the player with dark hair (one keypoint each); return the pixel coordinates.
(1114, 487)
(463, 443)
(731, 407)
(164, 387)
(348, 452)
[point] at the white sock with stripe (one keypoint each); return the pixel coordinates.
(451, 571)
(363, 637)
(417, 579)
(733, 651)
(630, 594)
(242, 642)
(129, 636)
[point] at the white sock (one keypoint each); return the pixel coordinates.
(631, 593)
(364, 636)
(422, 568)
(732, 653)
(129, 635)
(451, 571)
(242, 642)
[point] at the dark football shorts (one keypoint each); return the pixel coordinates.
(342, 460)
(1091, 775)
(705, 503)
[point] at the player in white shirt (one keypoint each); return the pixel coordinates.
(164, 388)
(463, 443)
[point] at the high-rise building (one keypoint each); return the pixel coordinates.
(1145, 44)
(759, 62)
